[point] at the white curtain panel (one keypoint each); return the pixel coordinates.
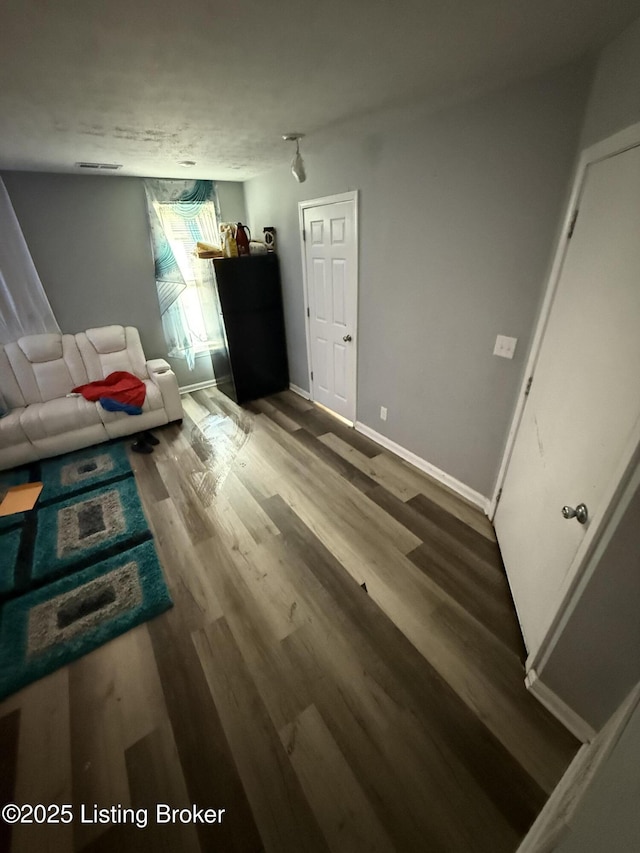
(24, 307)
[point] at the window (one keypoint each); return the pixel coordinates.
(192, 323)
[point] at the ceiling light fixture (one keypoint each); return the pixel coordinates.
(297, 164)
(187, 163)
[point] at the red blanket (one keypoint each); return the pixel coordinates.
(121, 386)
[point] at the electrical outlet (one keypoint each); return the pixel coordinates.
(505, 347)
(383, 413)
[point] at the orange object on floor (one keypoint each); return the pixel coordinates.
(20, 498)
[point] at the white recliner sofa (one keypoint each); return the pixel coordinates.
(38, 371)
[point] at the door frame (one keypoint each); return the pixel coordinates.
(351, 195)
(583, 564)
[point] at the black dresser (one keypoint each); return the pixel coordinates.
(253, 362)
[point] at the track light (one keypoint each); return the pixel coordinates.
(297, 164)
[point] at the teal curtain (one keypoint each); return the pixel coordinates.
(194, 214)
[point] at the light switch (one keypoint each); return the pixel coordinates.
(505, 347)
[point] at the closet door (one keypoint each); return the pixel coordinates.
(580, 423)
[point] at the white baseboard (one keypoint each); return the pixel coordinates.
(455, 485)
(300, 391)
(560, 710)
(198, 386)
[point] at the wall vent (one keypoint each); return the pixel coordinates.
(108, 167)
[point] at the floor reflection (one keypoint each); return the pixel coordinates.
(217, 430)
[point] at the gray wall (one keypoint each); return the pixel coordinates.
(89, 239)
(231, 201)
(615, 97)
(458, 212)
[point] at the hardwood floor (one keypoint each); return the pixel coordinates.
(318, 715)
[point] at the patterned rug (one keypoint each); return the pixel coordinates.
(77, 472)
(79, 569)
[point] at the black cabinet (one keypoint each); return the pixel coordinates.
(253, 363)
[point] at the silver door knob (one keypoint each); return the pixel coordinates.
(580, 513)
(346, 338)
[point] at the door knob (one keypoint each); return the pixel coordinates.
(581, 513)
(346, 338)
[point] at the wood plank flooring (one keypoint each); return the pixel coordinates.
(319, 716)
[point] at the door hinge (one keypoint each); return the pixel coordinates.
(498, 496)
(308, 314)
(572, 224)
(304, 234)
(312, 375)
(528, 388)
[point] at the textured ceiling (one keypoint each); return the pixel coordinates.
(148, 84)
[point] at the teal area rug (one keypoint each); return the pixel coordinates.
(85, 469)
(83, 527)
(79, 569)
(58, 623)
(10, 545)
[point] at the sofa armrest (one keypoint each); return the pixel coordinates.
(158, 365)
(161, 375)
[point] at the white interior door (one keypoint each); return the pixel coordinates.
(331, 252)
(582, 413)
